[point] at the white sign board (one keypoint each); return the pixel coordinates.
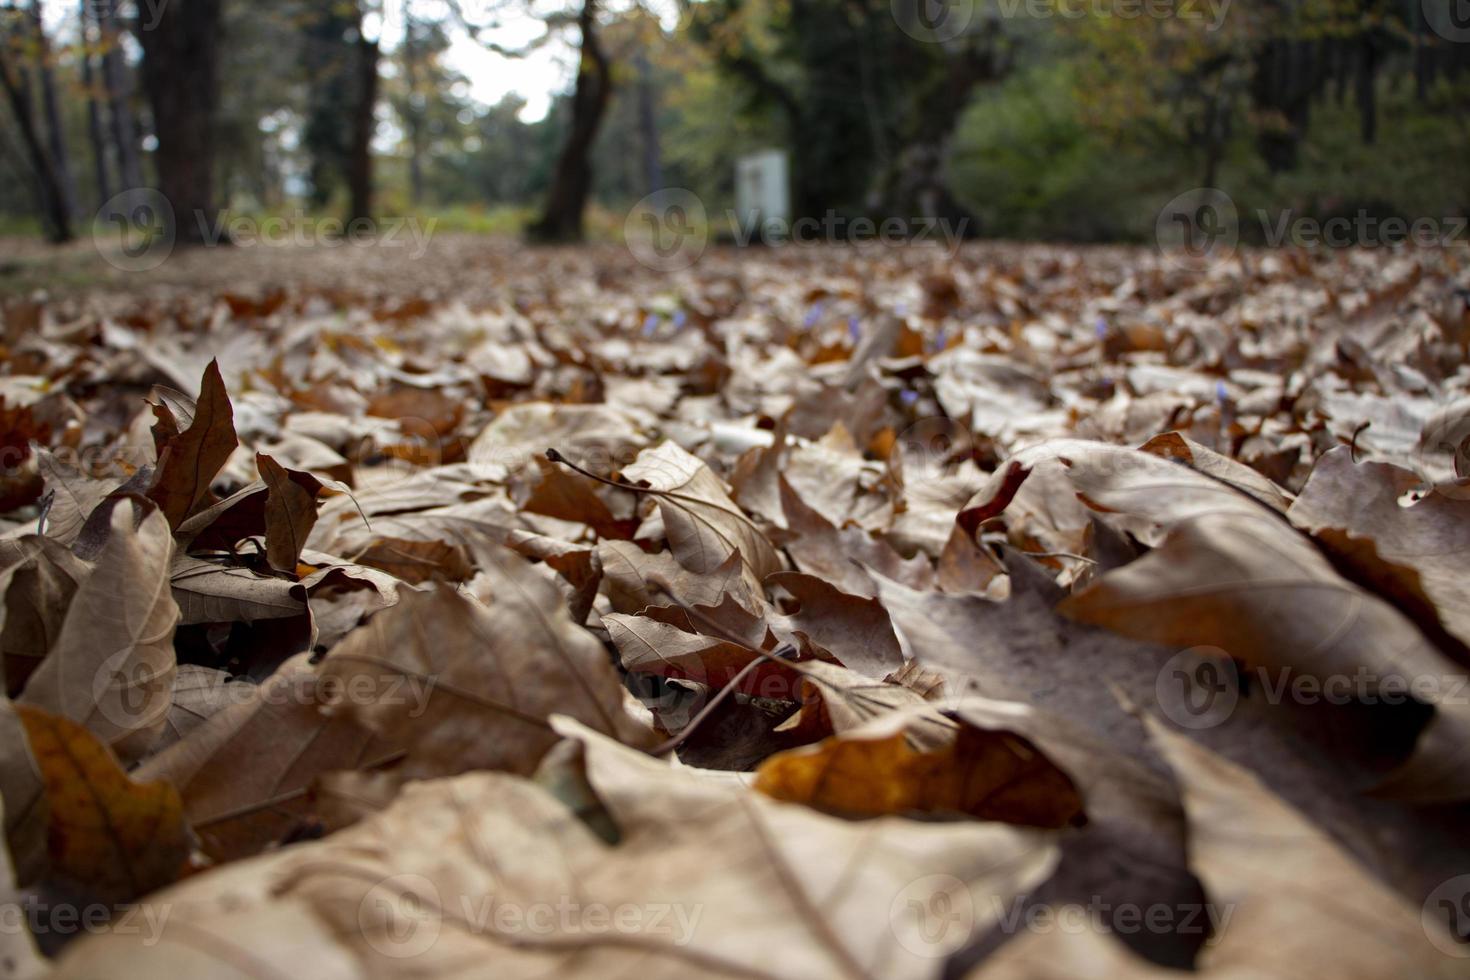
(762, 189)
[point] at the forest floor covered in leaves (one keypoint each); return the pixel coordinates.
(811, 612)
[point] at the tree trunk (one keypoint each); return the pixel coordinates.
(94, 111)
(360, 156)
(181, 77)
(55, 131)
(54, 213)
(414, 117)
(561, 220)
(119, 94)
(653, 168)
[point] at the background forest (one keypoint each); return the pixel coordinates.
(1053, 119)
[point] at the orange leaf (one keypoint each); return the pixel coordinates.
(116, 838)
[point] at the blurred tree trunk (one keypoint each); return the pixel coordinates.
(653, 168)
(119, 95)
(415, 114)
(95, 131)
(360, 153)
(561, 219)
(55, 131)
(181, 77)
(54, 214)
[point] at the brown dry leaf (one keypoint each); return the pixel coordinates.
(647, 646)
(634, 580)
(853, 629)
(1177, 447)
(747, 886)
(244, 773)
(874, 770)
(74, 497)
(189, 459)
(1115, 478)
(207, 592)
(1285, 896)
(112, 667)
(19, 958)
(23, 795)
(598, 437)
(115, 838)
(38, 578)
(703, 525)
(290, 511)
(1431, 536)
(1237, 582)
(199, 694)
(822, 550)
(490, 673)
(416, 562)
(558, 492)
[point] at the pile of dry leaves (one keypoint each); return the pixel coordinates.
(1034, 613)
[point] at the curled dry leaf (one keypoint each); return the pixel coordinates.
(703, 525)
(189, 459)
(747, 886)
(243, 774)
(23, 796)
(112, 666)
(38, 578)
(1282, 897)
(874, 770)
(473, 669)
(290, 511)
(209, 592)
(113, 837)
(1237, 582)
(1430, 536)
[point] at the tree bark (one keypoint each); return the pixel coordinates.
(54, 213)
(414, 116)
(561, 219)
(119, 95)
(181, 77)
(360, 156)
(94, 110)
(55, 131)
(653, 168)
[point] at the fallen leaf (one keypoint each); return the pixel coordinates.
(115, 838)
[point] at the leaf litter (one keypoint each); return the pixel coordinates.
(846, 613)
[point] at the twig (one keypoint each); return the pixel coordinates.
(1353, 445)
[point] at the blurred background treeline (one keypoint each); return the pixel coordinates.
(1039, 119)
